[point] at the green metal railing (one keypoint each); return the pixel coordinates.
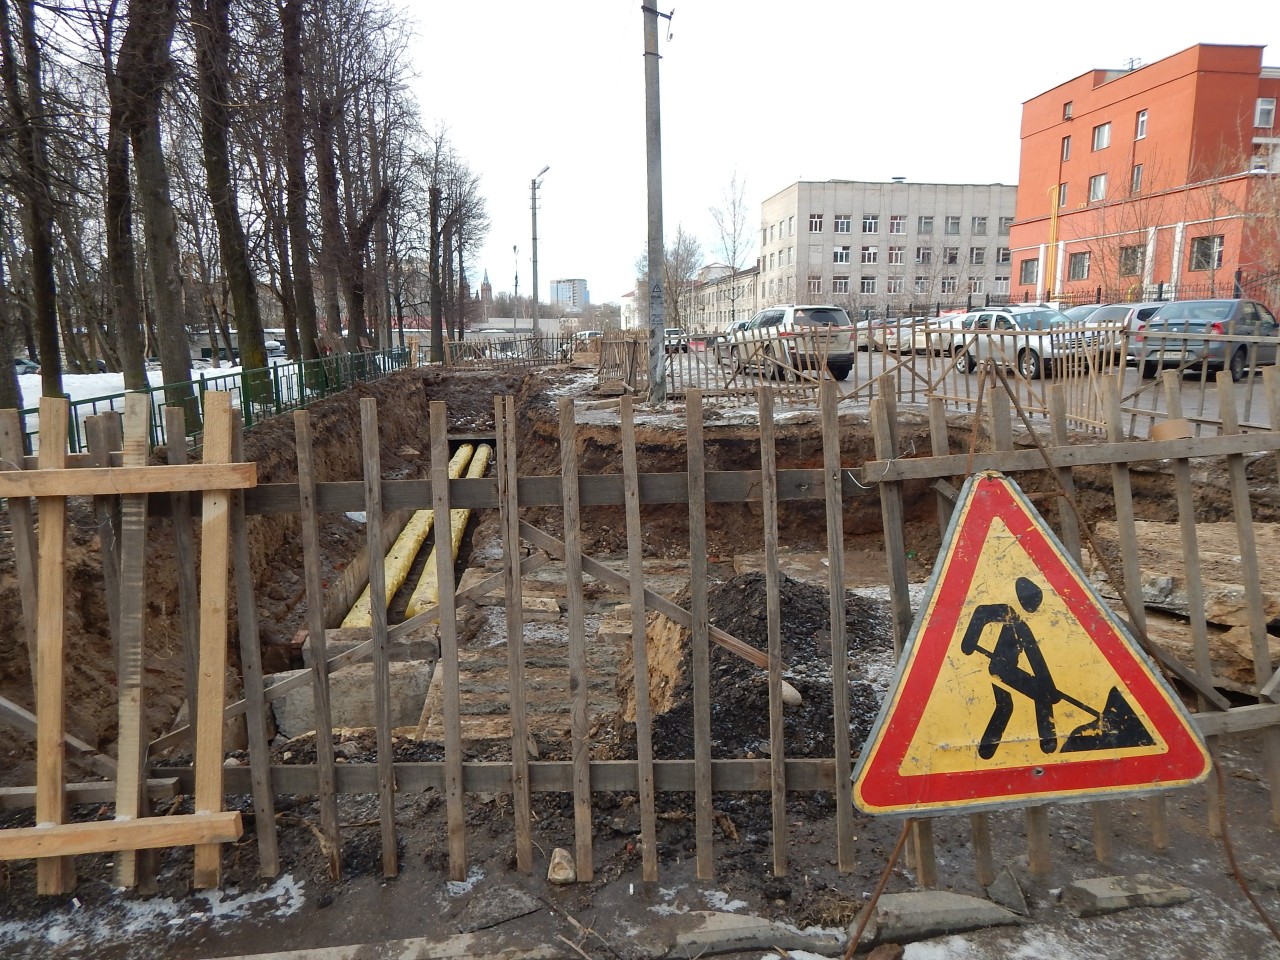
(257, 394)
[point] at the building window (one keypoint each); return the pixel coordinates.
(841, 255)
(1005, 224)
(839, 284)
(771, 233)
(1029, 271)
(791, 226)
(1066, 110)
(979, 226)
(870, 223)
(921, 284)
(1001, 285)
(1098, 187)
(868, 285)
(977, 256)
(791, 258)
(815, 284)
(1078, 266)
(870, 254)
(975, 285)
(1264, 114)
(843, 224)
(1102, 136)
(953, 226)
(897, 255)
(1131, 260)
(896, 285)
(1066, 148)
(1003, 256)
(1140, 126)
(1135, 179)
(924, 225)
(771, 256)
(815, 223)
(1206, 253)
(1062, 194)
(924, 254)
(949, 285)
(898, 224)
(951, 255)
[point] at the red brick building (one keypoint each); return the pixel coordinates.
(1159, 181)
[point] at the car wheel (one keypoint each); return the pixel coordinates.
(840, 371)
(1148, 371)
(1237, 365)
(1029, 364)
(964, 362)
(736, 359)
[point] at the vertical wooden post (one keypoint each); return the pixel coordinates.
(104, 436)
(372, 455)
(53, 874)
(309, 521)
(700, 643)
(504, 415)
(215, 530)
(441, 503)
(578, 708)
(175, 432)
(832, 478)
(22, 528)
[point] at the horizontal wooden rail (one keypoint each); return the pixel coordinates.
(108, 481)
(104, 836)
(93, 791)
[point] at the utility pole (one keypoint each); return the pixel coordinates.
(533, 200)
(515, 295)
(657, 255)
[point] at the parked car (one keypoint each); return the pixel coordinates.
(801, 336)
(937, 335)
(579, 341)
(897, 336)
(722, 343)
(23, 365)
(1219, 322)
(867, 333)
(1018, 337)
(675, 340)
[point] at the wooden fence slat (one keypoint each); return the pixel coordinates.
(264, 808)
(22, 529)
(309, 522)
(101, 431)
(54, 874)
(131, 638)
(175, 430)
(455, 811)
(54, 843)
(639, 646)
(699, 640)
(777, 741)
(577, 640)
(215, 554)
(830, 411)
(509, 515)
(77, 750)
(371, 454)
(105, 481)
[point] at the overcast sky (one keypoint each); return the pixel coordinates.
(778, 92)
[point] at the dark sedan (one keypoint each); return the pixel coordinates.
(1201, 333)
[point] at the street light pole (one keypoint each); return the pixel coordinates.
(515, 296)
(533, 203)
(653, 156)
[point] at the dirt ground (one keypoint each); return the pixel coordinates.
(307, 909)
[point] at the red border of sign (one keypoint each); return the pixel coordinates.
(881, 788)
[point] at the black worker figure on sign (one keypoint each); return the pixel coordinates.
(1115, 726)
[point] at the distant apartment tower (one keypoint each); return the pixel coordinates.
(882, 249)
(1152, 181)
(569, 296)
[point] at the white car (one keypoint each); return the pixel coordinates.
(795, 337)
(1020, 338)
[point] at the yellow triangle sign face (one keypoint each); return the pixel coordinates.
(1018, 683)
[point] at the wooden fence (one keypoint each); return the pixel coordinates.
(228, 495)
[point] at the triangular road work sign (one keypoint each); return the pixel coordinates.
(1018, 683)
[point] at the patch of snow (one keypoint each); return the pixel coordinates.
(720, 901)
(356, 515)
(456, 888)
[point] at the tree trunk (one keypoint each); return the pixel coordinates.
(334, 251)
(295, 178)
(122, 268)
(433, 259)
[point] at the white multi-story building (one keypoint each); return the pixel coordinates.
(569, 296)
(721, 295)
(886, 249)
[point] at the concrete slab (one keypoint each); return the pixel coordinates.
(351, 697)
(1007, 891)
(1100, 895)
(862, 568)
(495, 905)
(904, 917)
(713, 932)
(467, 946)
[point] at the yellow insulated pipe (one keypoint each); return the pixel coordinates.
(400, 557)
(427, 592)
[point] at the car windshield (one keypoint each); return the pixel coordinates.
(1040, 319)
(1081, 312)
(822, 317)
(1197, 310)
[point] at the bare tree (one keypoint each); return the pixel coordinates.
(731, 221)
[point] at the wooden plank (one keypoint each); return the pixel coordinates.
(829, 399)
(264, 808)
(1039, 862)
(699, 639)
(1251, 580)
(309, 521)
(1082, 455)
(117, 481)
(175, 430)
(578, 708)
(984, 866)
(76, 749)
(773, 609)
(215, 536)
(105, 836)
(104, 435)
(371, 447)
(1238, 720)
(891, 516)
(56, 874)
(1069, 524)
(94, 791)
(131, 638)
(640, 656)
(504, 410)
(22, 529)
(454, 810)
